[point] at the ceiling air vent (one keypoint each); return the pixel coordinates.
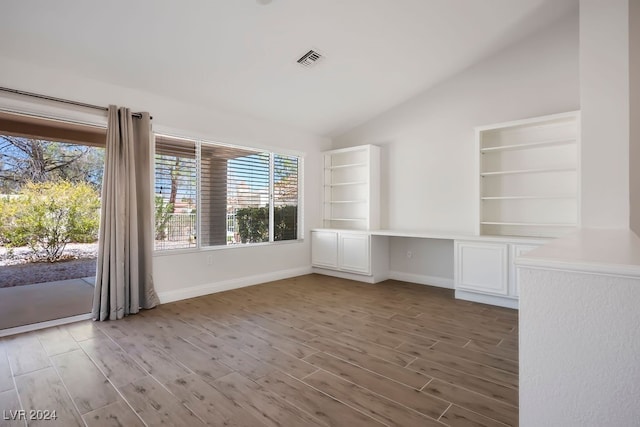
(309, 58)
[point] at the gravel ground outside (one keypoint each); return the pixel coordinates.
(17, 267)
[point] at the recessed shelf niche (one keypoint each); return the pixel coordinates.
(529, 176)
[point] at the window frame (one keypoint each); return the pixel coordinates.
(199, 142)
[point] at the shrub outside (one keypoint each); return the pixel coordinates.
(46, 216)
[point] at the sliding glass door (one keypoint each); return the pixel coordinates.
(50, 182)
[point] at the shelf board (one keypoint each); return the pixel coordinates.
(567, 196)
(352, 165)
(521, 171)
(344, 184)
(540, 144)
(528, 224)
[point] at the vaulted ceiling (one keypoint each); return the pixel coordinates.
(240, 55)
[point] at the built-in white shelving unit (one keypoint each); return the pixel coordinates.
(529, 176)
(352, 188)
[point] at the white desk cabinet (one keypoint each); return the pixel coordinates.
(341, 250)
(350, 254)
(485, 271)
(324, 245)
(354, 253)
(482, 267)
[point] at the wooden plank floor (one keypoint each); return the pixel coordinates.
(311, 350)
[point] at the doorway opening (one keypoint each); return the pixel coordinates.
(50, 183)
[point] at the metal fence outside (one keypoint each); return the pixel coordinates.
(179, 232)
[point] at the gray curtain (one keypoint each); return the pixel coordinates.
(124, 280)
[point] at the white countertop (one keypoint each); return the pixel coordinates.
(428, 234)
(446, 235)
(601, 251)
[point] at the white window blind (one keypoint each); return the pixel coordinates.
(175, 193)
(285, 197)
(235, 195)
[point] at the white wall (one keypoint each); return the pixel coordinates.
(604, 98)
(428, 144)
(426, 261)
(189, 274)
(634, 115)
(579, 347)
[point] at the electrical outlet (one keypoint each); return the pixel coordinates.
(409, 254)
(209, 259)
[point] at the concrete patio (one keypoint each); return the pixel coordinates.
(42, 302)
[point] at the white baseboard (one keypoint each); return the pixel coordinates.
(43, 325)
(344, 275)
(487, 299)
(421, 279)
(227, 285)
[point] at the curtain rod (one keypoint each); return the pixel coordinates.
(61, 100)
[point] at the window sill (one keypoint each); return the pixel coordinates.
(161, 253)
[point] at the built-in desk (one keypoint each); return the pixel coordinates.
(482, 270)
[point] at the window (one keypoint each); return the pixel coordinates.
(285, 197)
(217, 195)
(175, 194)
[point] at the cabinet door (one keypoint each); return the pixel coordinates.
(482, 267)
(354, 253)
(324, 249)
(514, 279)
